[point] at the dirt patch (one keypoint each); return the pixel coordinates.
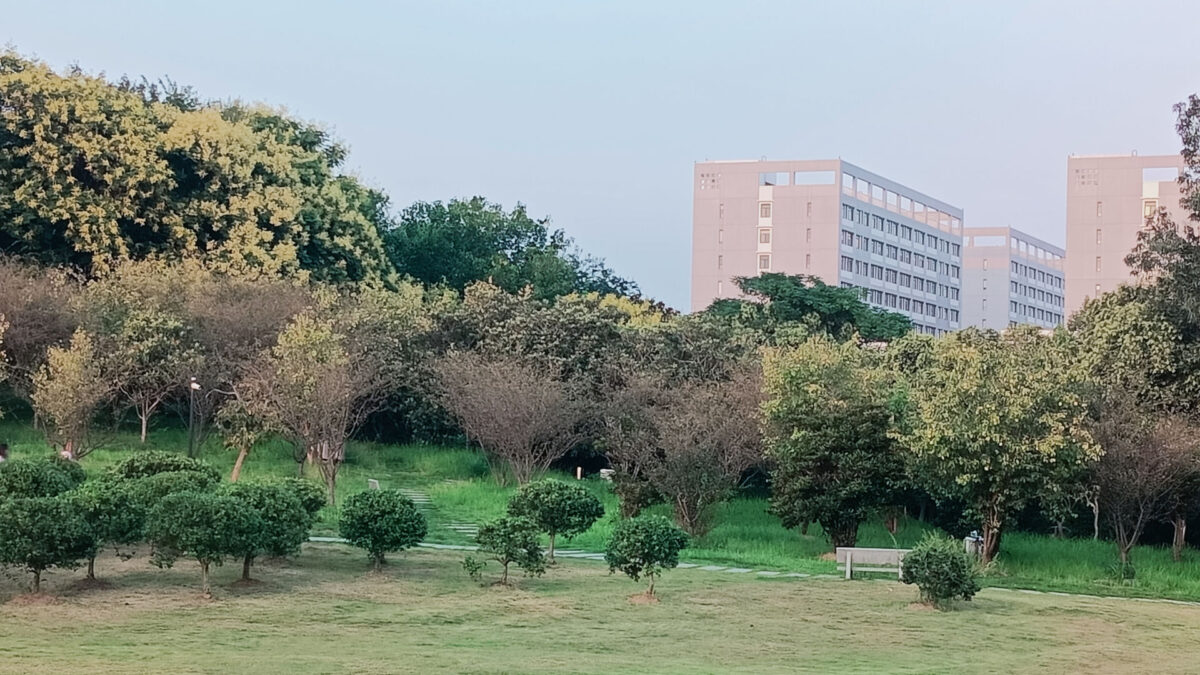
(34, 599)
(643, 599)
(246, 583)
(86, 584)
(828, 556)
(921, 607)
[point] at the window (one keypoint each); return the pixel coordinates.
(720, 236)
(918, 260)
(1098, 235)
(918, 307)
(847, 264)
(720, 288)
(721, 211)
(1097, 263)
(889, 299)
(720, 262)
(764, 262)
(808, 210)
(808, 236)
(848, 212)
(876, 296)
(1149, 208)
(1097, 290)
(890, 276)
(1099, 209)
(877, 222)
(1015, 268)
(876, 247)
(920, 237)
(905, 280)
(956, 271)
(764, 210)
(861, 268)
(893, 228)
(847, 237)
(932, 242)
(906, 304)
(918, 284)
(985, 264)
(905, 256)
(956, 250)
(892, 252)
(861, 216)
(807, 260)
(906, 232)
(764, 236)
(931, 287)
(877, 272)
(862, 243)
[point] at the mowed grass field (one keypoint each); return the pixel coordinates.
(324, 612)
(744, 534)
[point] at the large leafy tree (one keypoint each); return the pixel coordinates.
(779, 300)
(93, 173)
(206, 527)
(284, 520)
(462, 241)
(994, 419)
(828, 424)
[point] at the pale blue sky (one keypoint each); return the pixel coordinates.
(593, 112)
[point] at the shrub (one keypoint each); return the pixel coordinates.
(310, 494)
(30, 478)
(148, 491)
(285, 523)
(113, 514)
(940, 568)
(557, 508)
(645, 546)
(512, 540)
(203, 526)
(381, 521)
(40, 533)
(153, 462)
(72, 469)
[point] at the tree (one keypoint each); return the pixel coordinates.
(523, 418)
(40, 533)
(777, 300)
(95, 174)
(284, 520)
(645, 546)
(691, 443)
(113, 514)
(512, 540)
(311, 495)
(829, 420)
(557, 508)
(30, 478)
(68, 392)
(240, 431)
(464, 241)
(153, 351)
(381, 521)
(994, 418)
(314, 391)
(37, 306)
(204, 526)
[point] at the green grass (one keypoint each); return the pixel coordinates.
(743, 533)
(323, 612)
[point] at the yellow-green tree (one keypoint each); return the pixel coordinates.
(68, 391)
(996, 417)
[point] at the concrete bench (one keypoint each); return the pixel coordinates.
(884, 560)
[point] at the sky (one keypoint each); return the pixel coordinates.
(593, 113)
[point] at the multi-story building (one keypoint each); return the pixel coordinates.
(830, 219)
(1010, 278)
(1108, 200)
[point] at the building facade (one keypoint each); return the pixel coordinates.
(830, 219)
(1109, 198)
(1011, 278)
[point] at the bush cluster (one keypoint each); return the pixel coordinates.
(941, 569)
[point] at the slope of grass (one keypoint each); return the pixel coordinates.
(743, 533)
(323, 612)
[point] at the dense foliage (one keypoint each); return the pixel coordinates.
(941, 569)
(381, 522)
(645, 546)
(40, 533)
(204, 526)
(512, 540)
(557, 508)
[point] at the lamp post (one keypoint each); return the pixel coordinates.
(193, 387)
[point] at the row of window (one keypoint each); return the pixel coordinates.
(1035, 293)
(905, 304)
(1032, 312)
(904, 279)
(901, 254)
(864, 191)
(1052, 280)
(896, 229)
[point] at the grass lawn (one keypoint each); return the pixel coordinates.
(743, 533)
(324, 612)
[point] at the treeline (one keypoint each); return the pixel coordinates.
(94, 174)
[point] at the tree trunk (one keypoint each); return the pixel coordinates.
(145, 417)
(804, 528)
(91, 573)
(650, 590)
(204, 587)
(892, 521)
(1177, 544)
(550, 554)
(300, 468)
(841, 534)
(237, 465)
(331, 487)
(37, 581)
(991, 534)
(246, 563)
(377, 563)
(504, 575)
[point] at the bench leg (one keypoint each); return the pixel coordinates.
(849, 563)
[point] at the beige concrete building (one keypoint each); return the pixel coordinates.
(830, 219)
(1010, 278)
(1108, 200)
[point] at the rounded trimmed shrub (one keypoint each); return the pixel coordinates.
(645, 546)
(39, 533)
(557, 508)
(31, 478)
(381, 521)
(150, 490)
(152, 462)
(941, 569)
(312, 496)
